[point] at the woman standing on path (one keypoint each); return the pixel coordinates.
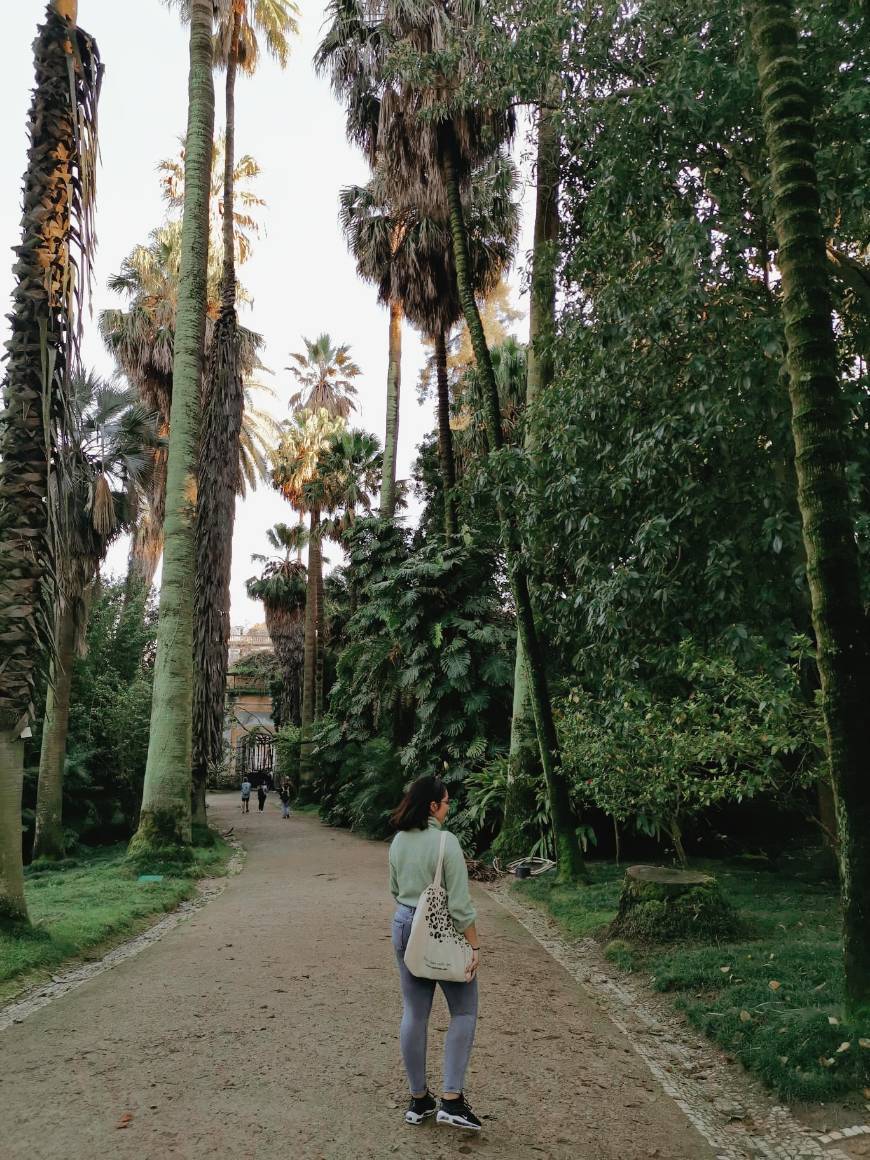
(261, 795)
(413, 859)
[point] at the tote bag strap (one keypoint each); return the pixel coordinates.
(437, 881)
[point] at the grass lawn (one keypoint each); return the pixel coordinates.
(79, 907)
(773, 998)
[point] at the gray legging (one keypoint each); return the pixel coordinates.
(417, 995)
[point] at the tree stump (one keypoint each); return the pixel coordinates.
(659, 905)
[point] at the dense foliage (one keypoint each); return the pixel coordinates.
(109, 720)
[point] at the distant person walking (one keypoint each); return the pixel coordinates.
(262, 791)
(246, 796)
(413, 860)
(285, 800)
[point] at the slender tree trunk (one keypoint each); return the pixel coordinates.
(48, 841)
(309, 650)
(819, 424)
(539, 375)
(569, 854)
(12, 904)
(391, 437)
(218, 483)
(321, 641)
(445, 436)
(164, 821)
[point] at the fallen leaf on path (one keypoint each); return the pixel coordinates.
(125, 1121)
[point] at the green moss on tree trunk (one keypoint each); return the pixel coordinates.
(819, 424)
(165, 815)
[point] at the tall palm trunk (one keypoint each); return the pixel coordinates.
(391, 437)
(569, 854)
(164, 821)
(218, 480)
(309, 650)
(819, 424)
(539, 375)
(57, 206)
(445, 435)
(319, 698)
(48, 840)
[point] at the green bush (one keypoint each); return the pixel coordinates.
(358, 784)
(110, 713)
(717, 732)
(288, 742)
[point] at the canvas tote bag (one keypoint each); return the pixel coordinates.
(435, 948)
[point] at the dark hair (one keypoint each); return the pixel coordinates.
(412, 812)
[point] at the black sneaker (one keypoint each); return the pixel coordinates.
(458, 1114)
(420, 1108)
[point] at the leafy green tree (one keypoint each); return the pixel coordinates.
(106, 448)
(164, 822)
(57, 215)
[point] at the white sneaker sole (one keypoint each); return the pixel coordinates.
(414, 1118)
(458, 1122)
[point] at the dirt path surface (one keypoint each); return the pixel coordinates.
(265, 1026)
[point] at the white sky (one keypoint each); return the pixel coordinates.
(300, 275)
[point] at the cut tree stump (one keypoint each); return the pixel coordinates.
(659, 904)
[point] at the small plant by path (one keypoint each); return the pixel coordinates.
(773, 998)
(80, 906)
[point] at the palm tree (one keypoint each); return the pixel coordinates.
(296, 473)
(106, 448)
(375, 234)
(325, 374)
(141, 338)
(350, 470)
(165, 816)
(430, 135)
(236, 46)
(58, 202)
(819, 426)
(281, 587)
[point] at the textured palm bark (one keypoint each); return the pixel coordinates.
(819, 424)
(391, 436)
(309, 651)
(569, 855)
(56, 214)
(165, 817)
(539, 374)
(445, 436)
(217, 487)
(146, 543)
(48, 841)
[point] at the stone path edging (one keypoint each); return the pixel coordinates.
(40, 995)
(716, 1099)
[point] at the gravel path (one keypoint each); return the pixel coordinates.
(265, 1026)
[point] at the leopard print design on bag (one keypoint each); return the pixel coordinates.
(438, 918)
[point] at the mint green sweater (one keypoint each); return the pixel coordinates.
(413, 858)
